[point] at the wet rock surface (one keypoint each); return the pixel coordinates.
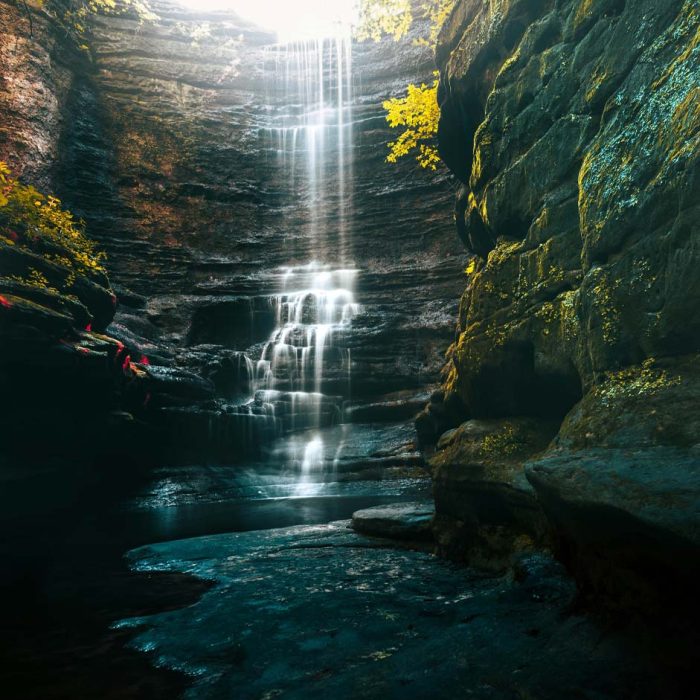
(485, 505)
(316, 611)
(568, 125)
(65, 578)
(352, 460)
(409, 521)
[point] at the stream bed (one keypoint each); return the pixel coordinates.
(227, 592)
(317, 611)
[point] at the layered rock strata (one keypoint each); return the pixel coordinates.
(160, 137)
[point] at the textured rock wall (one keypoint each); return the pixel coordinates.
(168, 159)
(159, 138)
(574, 129)
(36, 76)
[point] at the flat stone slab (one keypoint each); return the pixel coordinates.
(396, 520)
(317, 612)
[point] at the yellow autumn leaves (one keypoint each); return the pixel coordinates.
(378, 18)
(38, 222)
(419, 113)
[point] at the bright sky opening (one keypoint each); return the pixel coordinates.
(291, 19)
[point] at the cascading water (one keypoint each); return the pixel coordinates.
(304, 372)
(316, 306)
(311, 137)
(306, 357)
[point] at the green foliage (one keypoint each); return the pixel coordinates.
(38, 223)
(419, 113)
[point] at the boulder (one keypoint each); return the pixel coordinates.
(404, 521)
(22, 318)
(621, 485)
(485, 507)
(627, 522)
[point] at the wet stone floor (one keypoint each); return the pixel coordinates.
(318, 611)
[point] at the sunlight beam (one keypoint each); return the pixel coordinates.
(295, 20)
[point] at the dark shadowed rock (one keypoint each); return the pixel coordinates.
(485, 507)
(330, 613)
(627, 521)
(236, 323)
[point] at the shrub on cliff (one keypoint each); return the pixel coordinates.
(38, 223)
(418, 111)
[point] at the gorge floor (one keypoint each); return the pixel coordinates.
(273, 597)
(67, 529)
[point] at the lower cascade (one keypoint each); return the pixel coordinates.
(305, 358)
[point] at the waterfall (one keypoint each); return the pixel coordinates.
(304, 370)
(310, 135)
(305, 352)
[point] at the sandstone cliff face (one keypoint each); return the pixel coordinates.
(574, 129)
(36, 76)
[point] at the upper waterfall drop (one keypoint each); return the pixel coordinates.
(311, 138)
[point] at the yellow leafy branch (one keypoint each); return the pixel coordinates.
(378, 18)
(419, 113)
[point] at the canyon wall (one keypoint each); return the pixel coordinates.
(573, 128)
(159, 136)
(568, 414)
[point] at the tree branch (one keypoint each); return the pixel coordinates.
(28, 12)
